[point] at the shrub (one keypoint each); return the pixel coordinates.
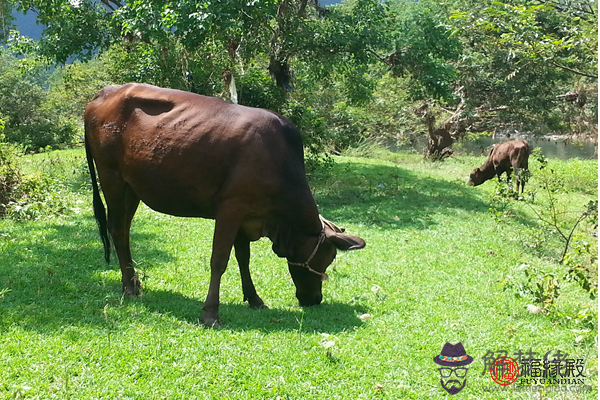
(22, 107)
(10, 176)
(27, 196)
(257, 89)
(42, 131)
(37, 195)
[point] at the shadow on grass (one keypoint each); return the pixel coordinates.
(327, 317)
(53, 276)
(390, 196)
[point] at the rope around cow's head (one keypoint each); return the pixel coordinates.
(321, 239)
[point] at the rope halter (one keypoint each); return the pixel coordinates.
(305, 265)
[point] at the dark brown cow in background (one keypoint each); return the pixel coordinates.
(503, 158)
(193, 156)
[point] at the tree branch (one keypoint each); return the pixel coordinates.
(108, 4)
(572, 70)
(383, 60)
(573, 7)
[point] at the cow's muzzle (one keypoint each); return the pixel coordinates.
(308, 301)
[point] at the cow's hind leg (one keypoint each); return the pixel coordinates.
(122, 204)
(242, 255)
(523, 175)
(518, 180)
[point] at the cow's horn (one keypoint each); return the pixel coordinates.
(331, 225)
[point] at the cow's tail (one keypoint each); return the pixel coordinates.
(99, 210)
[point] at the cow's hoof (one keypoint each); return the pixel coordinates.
(211, 320)
(257, 303)
(131, 291)
(132, 288)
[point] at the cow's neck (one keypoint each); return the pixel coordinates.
(289, 231)
(487, 169)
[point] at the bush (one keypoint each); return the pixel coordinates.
(37, 195)
(562, 224)
(10, 176)
(28, 196)
(257, 89)
(42, 131)
(23, 97)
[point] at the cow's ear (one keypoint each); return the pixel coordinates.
(346, 242)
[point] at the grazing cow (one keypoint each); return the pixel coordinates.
(503, 158)
(194, 156)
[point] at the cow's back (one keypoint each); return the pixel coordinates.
(184, 154)
(522, 152)
(507, 155)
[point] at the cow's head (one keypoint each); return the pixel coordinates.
(308, 275)
(476, 178)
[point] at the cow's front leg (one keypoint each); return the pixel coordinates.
(226, 229)
(509, 180)
(242, 255)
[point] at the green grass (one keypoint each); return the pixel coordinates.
(431, 272)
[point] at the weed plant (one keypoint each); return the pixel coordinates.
(431, 273)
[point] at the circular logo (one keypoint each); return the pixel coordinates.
(504, 371)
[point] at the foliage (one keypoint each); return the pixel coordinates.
(23, 107)
(556, 225)
(541, 287)
(146, 62)
(583, 264)
(523, 57)
(499, 66)
(555, 216)
(80, 28)
(256, 89)
(425, 50)
(501, 201)
(38, 196)
(43, 192)
(6, 19)
(73, 86)
(10, 175)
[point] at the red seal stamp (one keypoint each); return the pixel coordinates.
(504, 371)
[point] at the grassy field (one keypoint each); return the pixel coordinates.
(432, 272)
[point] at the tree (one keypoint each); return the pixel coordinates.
(490, 65)
(424, 50)
(520, 57)
(6, 19)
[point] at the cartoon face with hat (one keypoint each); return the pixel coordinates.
(452, 361)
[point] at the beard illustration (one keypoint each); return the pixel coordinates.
(453, 386)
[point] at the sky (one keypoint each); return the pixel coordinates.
(27, 26)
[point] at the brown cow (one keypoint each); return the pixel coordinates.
(503, 158)
(193, 156)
